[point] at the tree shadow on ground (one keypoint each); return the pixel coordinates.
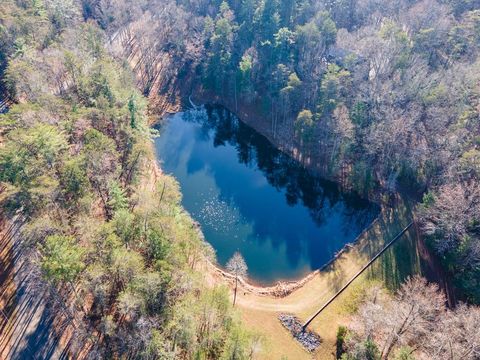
(27, 328)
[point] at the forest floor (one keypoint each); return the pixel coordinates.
(260, 311)
(27, 324)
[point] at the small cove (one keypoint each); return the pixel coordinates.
(250, 197)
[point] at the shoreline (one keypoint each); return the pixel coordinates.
(279, 288)
(282, 288)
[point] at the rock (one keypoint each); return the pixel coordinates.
(308, 339)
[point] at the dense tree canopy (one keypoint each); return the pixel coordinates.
(113, 243)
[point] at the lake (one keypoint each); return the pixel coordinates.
(252, 198)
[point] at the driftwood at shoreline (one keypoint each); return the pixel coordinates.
(279, 290)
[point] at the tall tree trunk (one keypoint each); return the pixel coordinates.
(235, 293)
(401, 330)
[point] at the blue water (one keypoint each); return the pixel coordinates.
(250, 197)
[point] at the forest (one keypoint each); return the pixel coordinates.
(112, 239)
(381, 96)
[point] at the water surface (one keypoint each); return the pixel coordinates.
(252, 198)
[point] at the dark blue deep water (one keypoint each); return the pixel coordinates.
(250, 197)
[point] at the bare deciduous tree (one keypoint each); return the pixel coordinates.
(450, 215)
(408, 318)
(237, 266)
(456, 336)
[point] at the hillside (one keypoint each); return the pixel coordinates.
(104, 227)
(380, 96)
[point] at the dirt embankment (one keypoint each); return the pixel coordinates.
(433, 270)
(164, 76)
(7, 284)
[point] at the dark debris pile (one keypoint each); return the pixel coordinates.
(308, 339)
